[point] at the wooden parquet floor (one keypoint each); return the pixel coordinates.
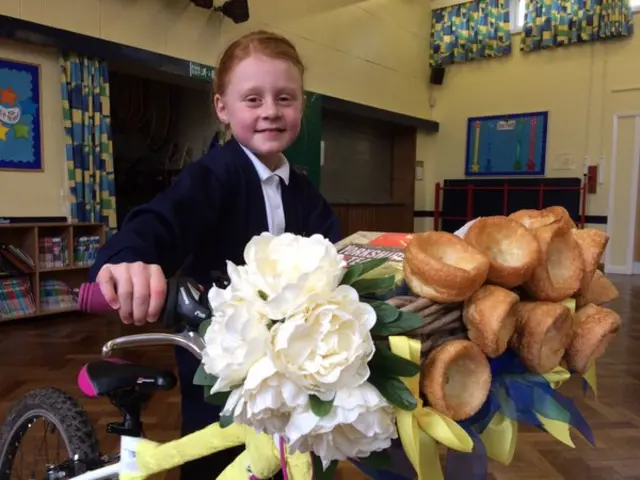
(50, 351)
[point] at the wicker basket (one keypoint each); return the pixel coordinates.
(442, 322)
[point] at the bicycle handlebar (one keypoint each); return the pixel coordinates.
(185, 303)
(91, 300)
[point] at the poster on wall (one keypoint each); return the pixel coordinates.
(507, 145)
(20, 117)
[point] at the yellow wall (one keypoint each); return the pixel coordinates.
(371, 51)
(39, 193)
(582, 87)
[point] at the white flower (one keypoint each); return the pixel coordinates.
(285, 270)
(236, 339)
(266, 399)
(325, 346)
(360, 422)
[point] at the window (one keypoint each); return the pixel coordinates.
(518, 10)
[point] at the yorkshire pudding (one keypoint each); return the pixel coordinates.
(592, 243)
(534, 219)
(601, 290)
(511, 248)
(594, 327)
(560, 270)
(542, 334)
(443, 268)
(456, 379)
(562, 215)
(486, 314)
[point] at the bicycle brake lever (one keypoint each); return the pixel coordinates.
(186, 304)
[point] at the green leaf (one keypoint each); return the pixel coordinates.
(219, 398)
(320, 407)
(394, 391)
(263, 295)
(319, 473)
(204, 326)
(371, 285)
(387, 363)
(372, 264)
(377, 460)
(203, 378)
(352, 273)
(385, 313)
(406, 322)
(226, 420)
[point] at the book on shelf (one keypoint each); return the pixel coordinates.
(16, 298)
(53, 252)
(15, 261)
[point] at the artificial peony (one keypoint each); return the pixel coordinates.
(266, 399)
(283, 271)
(237, 338)
(360, 422)
(325, 346)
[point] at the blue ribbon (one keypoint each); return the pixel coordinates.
(520, 394)
(378, 474)
(398, 461)
(468, 466)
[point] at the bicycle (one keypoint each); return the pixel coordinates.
(128, 386)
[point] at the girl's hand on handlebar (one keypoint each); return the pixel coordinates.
(137, 290)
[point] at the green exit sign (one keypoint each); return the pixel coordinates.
(200, 71)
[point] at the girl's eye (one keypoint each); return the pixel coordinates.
(252, 100)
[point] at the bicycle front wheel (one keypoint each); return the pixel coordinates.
(63, 416)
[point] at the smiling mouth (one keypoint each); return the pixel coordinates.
(270, 130)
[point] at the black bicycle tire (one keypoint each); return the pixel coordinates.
(73, 420)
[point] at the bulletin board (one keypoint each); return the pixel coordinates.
(20, 117)
(507, 145)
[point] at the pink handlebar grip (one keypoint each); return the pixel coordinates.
(91, 300)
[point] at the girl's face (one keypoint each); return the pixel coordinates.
(263, 105)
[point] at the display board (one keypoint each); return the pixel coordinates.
(513, 144)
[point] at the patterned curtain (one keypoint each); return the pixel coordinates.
(554, 23)
(469, 31)
(89, 149)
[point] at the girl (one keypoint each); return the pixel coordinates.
(217, 204)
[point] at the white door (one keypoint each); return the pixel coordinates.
(623, 194)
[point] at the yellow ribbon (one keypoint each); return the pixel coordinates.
(571, 303)
(557, 376)
(559, 430)
(500, 438)
(591, 379)
(261, 455)
(422, 428)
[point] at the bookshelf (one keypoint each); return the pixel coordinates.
(41, 264)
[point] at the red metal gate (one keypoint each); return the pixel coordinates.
(506, 188)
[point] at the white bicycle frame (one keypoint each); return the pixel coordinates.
(127, 463)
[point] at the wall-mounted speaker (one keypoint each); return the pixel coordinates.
(236, 10)
(437, 75)
(208, 4)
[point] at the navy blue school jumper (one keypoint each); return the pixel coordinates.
(205, 218)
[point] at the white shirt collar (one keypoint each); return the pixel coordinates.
(263, 171)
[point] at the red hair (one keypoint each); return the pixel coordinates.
(262, 42)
